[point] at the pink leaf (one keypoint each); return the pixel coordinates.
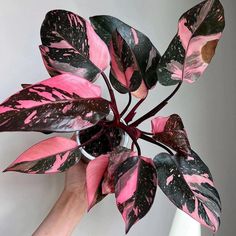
(158, 124)
(63, 103)
(170, 131)
(193, 47)
(70, 45)
(52, 155)
(94, 175)
(135, 188)
(116, 158)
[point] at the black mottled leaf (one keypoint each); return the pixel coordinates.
(145, 53)
(59, 104)
(193, 47)
(70, 45)
(135, 188)
(171, 132)
(188, 183)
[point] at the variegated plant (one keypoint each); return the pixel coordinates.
(76, 53)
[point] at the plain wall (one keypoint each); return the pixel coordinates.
(207, 109)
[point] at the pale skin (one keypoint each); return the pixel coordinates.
(70, 206)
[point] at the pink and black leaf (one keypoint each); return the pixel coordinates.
(188, 183)
(193, 47)
(52, 155)
(147, 56)
(170, 131)
(116, 158)
(135, 188)
(94, 176)
(125, 74)
(70, 45)
(60, 104)
(100, 174)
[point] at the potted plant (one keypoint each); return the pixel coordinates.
(76, 52)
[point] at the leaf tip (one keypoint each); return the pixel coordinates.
(90, 206)
(7, 169)
(128, 226)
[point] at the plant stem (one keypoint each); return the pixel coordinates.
(151, 140)
(93, 138)
(112, 96)
(137, 146)
(127, 106)
(147, 133)
(157, 108)
(132, 146)
(132, 136)
(132, 113)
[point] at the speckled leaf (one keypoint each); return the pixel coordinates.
(170, 131)
(193, 47)
(116, 158)
(52, 155)
(188, 183)
(135, 188)
(60, 104)
(125, 74)
(94, 177)
(146, 55)
(70, 45)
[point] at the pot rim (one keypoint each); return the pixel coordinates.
(88, 157)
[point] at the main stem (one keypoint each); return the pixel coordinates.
(112, 96)
(127, 106)
(157, 108)
(134, 139)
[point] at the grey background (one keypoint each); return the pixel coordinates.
(207, 109)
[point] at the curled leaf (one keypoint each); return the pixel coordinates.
(142, 57)
(94, 176)
(193, 47)
(170, 131)
(125, 74)
(116, 158)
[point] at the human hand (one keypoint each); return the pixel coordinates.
(75, 179)
(70, 207)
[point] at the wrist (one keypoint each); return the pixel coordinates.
(65, 215)
(77, 197)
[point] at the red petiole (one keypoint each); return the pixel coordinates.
(131, 129)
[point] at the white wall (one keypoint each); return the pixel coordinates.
(207, 108)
